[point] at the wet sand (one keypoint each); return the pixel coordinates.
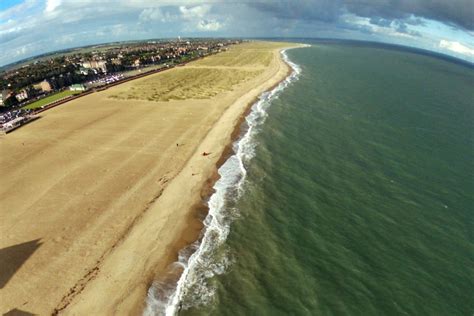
(100, 193)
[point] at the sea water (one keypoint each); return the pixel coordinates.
(350, 192)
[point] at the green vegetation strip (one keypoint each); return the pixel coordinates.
(50, 99)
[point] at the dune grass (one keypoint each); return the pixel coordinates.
(205, 78)
(186, 83)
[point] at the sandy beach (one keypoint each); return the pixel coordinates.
(100, 194)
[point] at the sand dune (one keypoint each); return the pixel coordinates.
(99, 194)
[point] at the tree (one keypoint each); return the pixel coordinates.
(10, 101)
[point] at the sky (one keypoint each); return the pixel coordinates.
(32, 27)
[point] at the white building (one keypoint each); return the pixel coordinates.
(77, 87)
(22, 95)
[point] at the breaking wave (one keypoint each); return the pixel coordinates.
(205, 258)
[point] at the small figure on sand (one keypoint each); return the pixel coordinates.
(206, 154)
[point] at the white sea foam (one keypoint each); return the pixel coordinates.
(206, 258)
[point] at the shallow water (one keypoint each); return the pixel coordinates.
(359, 198)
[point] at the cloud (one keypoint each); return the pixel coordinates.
(380, 21)
(38, 26)
(321, 10)
(51, 5)
(21, 51)
(18, 9)
(194, 12)
(209, 25)
(378, 26)
(456, 12)
(151, 14)
(199, 18)
(401, 27)
(456, 47)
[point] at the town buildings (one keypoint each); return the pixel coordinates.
(102, 66)
(95, 64)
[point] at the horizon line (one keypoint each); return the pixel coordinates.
(412, 49)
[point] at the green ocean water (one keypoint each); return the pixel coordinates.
(360, 197)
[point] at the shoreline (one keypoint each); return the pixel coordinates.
(237, 135)
(202, 209)
(187, 226)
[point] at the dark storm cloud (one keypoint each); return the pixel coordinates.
(453, 12)
(321, 10)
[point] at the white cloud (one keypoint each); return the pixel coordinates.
(156, 14)
(151, 14)
(209, 25)
(51, 5)
(456, 47)
(200, 18)
(194, 12)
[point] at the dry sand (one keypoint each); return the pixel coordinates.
(97, 197)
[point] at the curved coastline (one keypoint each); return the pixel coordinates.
(197, 262)
(171, 222)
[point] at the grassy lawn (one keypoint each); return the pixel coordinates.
(49, 99)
